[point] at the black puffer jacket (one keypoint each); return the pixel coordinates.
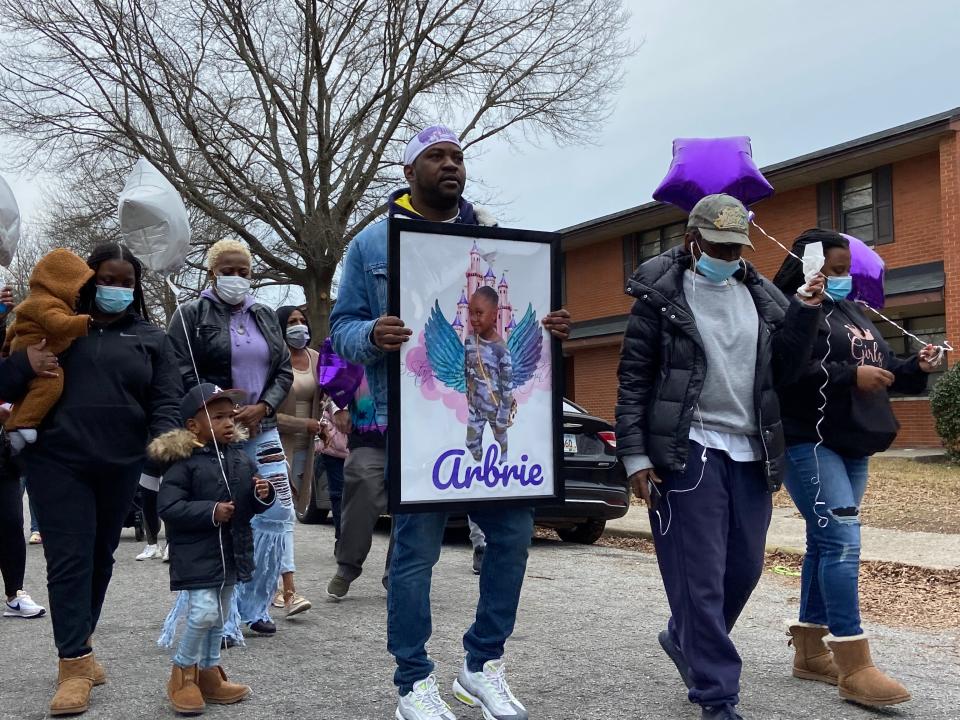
(208, 323)
(663, 364)
(202, 554)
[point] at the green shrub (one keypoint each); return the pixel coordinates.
(945, 404)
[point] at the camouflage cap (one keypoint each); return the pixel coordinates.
(721, 219)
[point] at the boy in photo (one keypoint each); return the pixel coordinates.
(489, 373)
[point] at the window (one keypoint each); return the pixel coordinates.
(856, 207)
(860, 205)
(641, 246)
(929, 328)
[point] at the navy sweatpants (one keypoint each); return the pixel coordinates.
(711, 558)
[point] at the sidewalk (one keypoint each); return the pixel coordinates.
(787, 532)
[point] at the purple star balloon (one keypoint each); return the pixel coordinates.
(704, 166)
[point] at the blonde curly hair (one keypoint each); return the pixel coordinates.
(226, 246)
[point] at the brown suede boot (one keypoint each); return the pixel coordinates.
(812, 659)
(183, 691)
(99, 674)
(860, 680)
(217, 690)
(74, 682)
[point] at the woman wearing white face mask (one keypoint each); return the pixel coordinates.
(227, 338)
(299, 420)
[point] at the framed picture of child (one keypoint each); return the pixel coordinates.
(475, 395)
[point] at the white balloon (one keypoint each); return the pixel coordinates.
(153, 219)
(9, 224)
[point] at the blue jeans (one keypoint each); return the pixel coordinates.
(200, 642)
(831, 566)
(34, 526)
(417, 539)
(272, 530)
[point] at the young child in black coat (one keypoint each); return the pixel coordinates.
(207, 499)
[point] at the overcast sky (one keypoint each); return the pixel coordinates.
(794, 76)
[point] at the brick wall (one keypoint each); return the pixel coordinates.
(595, 282)
(596, 380)
(784, 216)
(916, 424)
(950, 224)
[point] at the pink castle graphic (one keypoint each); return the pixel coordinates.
(505, 320)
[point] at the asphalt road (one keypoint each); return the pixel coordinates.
(585, 646)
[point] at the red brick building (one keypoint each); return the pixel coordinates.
(898, 190)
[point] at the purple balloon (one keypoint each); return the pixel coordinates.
(337, 377)
(704, 166)
(867, 268)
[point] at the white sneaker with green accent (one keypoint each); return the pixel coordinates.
(424, 703)
(488, 690)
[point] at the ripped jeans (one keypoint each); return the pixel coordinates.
(831, 566)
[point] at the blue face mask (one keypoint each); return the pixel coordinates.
(113, 300)
(715, 270)
(839, 287)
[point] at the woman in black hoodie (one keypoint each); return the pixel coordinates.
(846, 384)
(122, 387)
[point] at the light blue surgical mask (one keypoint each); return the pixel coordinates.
(839, 287)
(298, 336)
(113, 300)
(716, 270)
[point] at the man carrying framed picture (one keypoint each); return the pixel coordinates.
(364, 333)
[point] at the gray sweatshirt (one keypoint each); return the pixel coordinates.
(727, 321)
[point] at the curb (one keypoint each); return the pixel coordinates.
(648, 535)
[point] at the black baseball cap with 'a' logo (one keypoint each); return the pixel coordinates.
(204, 394)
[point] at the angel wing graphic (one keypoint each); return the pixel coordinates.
(445, 350)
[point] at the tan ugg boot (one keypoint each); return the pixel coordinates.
(183, 691)
(218, 690)
(99, 674)
(860, 680)
(812, 659)
(74, 682)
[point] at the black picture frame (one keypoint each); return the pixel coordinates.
(394, 424)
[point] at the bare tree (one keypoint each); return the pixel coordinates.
(282, 120)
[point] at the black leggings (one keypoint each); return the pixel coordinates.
(151, 518)
(13, 548)
(81, 513)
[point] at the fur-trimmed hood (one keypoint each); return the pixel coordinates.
(179, 444)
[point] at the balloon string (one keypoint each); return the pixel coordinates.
(941, 349)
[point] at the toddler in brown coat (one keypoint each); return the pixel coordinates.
(47, 313)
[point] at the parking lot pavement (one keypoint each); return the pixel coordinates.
(584, 649)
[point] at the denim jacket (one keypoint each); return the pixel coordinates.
(362, 296)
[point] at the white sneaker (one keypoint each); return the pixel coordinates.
(166, 553)
(489, 691)
(23, 606)
(149, 552)
(424, 703)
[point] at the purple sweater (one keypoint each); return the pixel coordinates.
(249, 353)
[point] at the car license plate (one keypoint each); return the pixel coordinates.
(570, 444)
